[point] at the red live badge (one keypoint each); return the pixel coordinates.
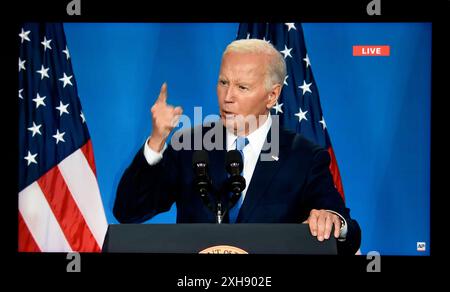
(370, 51)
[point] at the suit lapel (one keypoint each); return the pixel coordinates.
(262, 177)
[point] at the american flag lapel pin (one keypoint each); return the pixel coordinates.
(275, 158)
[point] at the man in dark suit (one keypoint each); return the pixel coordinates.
(293, 186)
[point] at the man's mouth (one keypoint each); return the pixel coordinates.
(228, 114)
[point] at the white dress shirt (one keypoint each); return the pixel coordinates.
(251, 151)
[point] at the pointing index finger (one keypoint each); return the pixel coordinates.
(163, 93)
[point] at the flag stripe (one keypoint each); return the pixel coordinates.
(88, 152)
(335, 172)
(40, 220)
(83, 186)
(66, 211)
(26, 240)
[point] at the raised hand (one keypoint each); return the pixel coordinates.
(164, 118)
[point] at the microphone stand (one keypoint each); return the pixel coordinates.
(219, 215)
(220, 211)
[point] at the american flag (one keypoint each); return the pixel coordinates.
(299, 106)
(60, 208)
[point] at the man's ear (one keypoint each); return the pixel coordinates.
(273, 95)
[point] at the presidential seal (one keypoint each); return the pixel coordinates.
(223, 249)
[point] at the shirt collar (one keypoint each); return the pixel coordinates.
(256, 138)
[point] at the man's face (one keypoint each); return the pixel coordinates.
(241, 87)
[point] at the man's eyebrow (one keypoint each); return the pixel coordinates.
(237, 81)
(245, 81)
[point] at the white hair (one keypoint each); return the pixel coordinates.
(276, 69)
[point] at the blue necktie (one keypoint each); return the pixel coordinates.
(241, 142)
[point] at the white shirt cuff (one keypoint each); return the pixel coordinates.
(151, 156)
(343, 232)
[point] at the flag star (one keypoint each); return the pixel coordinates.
(286, 52)
(24, 36)
(322, 121)
(43, 72)
(277, 107)
(285, 80)
(35, 129)
(66, 79)
(20, 93)
(62, 108)
(301, 115)
(248, 35)
(291, 25)
(46, 43)
(305, 87)
(59, 136)
(82, 117)
(30, 158)
(39, 100)
(66, 51)
(264, 39)
(308, 63)
(22, 64)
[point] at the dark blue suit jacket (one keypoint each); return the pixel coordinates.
(282, 191)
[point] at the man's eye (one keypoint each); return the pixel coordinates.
(243, 87)
(222, 82)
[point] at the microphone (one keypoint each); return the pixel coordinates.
(236, 182)
(202, 181)
(233, 162)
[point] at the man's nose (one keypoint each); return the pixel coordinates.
(229, 94)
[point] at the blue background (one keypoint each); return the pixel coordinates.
(377, 109)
